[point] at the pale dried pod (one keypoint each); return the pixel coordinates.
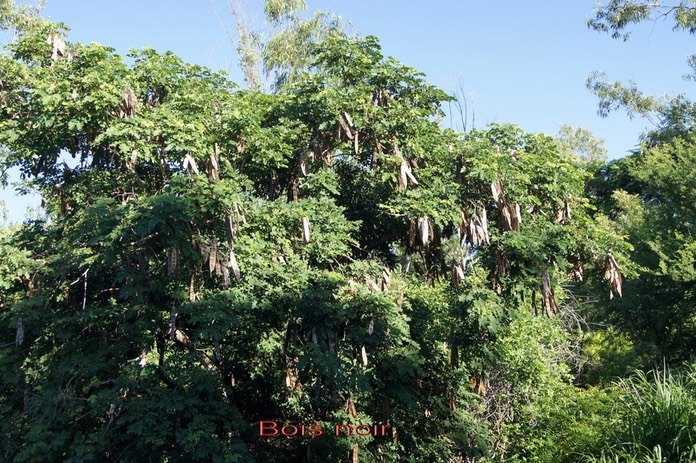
(213, 256)
(386, 278)
(190, 164)
(173, 260)
(305, 229)
(232, 263)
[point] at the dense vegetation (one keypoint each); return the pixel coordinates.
(212, 257)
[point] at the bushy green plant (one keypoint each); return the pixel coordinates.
(658, 419)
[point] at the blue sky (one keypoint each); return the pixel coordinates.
(520, 62)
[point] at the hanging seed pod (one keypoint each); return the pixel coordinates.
(348, 119)
(129, 104)
(172, 323)
(173, 261)
(463, 227)
(213, 168)
(363, 354)
(205, 252)
(612, 273)
(58, 45)
(213, 256)
(226, 276)
(412, 232)
(344, 125)
(350, 407)
(213, 160)
(566, 205)
(517, 218)
(577, 273)
(289, 378)
(482, 222)
(304, 159)
(371, 284)
(424, 230)
(130, 162)
(234, 266)
(19, 336)
(457, 275)
(305, 229)
(193, 295)
(496, 188)
(478, 227)
(403, 178)
(548, 299)
(386, 278)
(190, 164)
(230, 229)
(371, 327)
(240, 218)
(409, 173)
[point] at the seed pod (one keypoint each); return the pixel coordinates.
(129, 105)
(424, 230)
(58, 45)
(305, 229)
(403, 178)
(234, 266)
(173, 261)
(226, 276)
(213, 256)
(230, 228)
(612, 273)
(172, 323)
(348, 119)
(371, 284)
(193, 295)
(205, 252)
(344, 126)
(190, 164)
(130, 163)
(410, 174)
(386, 278)
(548, 299)
(350, 407)
(19, 337)
(457, 275)
(495, 191)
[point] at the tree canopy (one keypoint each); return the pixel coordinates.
(212, 258)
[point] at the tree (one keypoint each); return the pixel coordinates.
(649, 194)
(284, 53)
(324, 255)
(582, 143)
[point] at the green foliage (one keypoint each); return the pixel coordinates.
(658, 421)
(617, 15)
(581, 143)
(653, 203)
(215, 257)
